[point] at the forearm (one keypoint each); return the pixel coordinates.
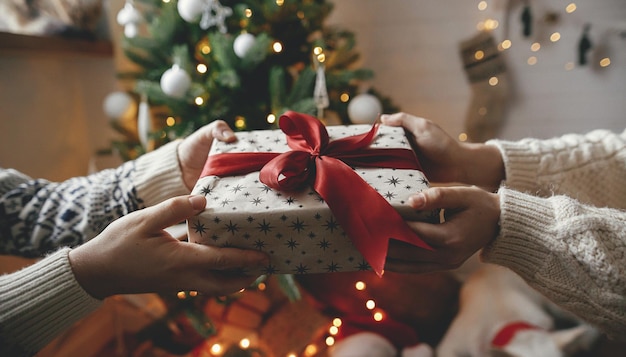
(40, 215)
(483, 165)
(570, 252)
(39, 302)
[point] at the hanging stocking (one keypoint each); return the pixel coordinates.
(487, 75)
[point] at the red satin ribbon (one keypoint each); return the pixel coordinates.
(366, 217)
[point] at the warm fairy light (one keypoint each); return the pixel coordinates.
(300, 15)
(330, 340)
(321, 58)
(240, 122)
(480, 26)
(181, 295)
(280, 2)
(310, 350)
(482, 111)
(571, 7)
(244, 343)
(359, 285)
(247, 13)
(166, 1)
(569, 66)
(344, 97)
(378, 316)
(555, 37)
(333, 330)
(242, 289)
(292, 355)
(199, 101)
(535, 46)
(370, 304)
(491, 24)
(317, 50)
(193, 293)
(206, 49)
(605, 62)
(506, 44)
(216, 348)
(337, 322)
(261, 286)
(493, 81)
(479, 55)
(463, 137)
(482, 6)
(201, 68)
(271, 118)
(170, 121)
(278, 47)
(532, 60)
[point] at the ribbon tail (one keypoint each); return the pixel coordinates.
(367, 218)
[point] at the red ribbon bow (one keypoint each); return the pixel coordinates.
(367, 218)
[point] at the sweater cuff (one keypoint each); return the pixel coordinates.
(41, 301)
(158, 176)
(526, 226)
(521, 163)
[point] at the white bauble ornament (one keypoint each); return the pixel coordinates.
(364, 109)
(118, 104)
(131, 30)
(128, 14)
(175, 82)
(190, 10)
(243, 44)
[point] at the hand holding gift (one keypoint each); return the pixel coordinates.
(315, 229)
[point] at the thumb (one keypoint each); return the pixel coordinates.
(173, 211)
(438, 197)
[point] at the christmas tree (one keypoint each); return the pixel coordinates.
(245, 62)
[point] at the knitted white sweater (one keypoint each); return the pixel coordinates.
(563, 222)
(37, 217)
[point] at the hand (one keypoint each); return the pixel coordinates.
(194, 150)
(471, 222)
(446, 160)
(135, 255)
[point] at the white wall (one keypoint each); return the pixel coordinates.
(413, 48)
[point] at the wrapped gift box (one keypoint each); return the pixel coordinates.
(296, 228)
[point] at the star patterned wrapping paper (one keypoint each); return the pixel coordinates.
(297, 229)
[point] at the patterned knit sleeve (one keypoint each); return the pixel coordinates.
(572, 253)
(38, 216)
(590, 168)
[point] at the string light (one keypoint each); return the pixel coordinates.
(605, 62)
(571, 7)
(555, 37)
(482, 6)
(493, 81)
(333, 330)
(310, 350)
(536, 46)
(505, 45)
(271, 118)
(337, 322)
(379, 316)
(479, 55)
(344, 97)
(532, 60)
(216, 348)
(244, 343)
(170, 121)
(240, 122)
(247, 13)
(280, 2)
(199, 101)
(359, 285)
(463, 137)
(181, 295)
(277, 47)
(201, 68)
(370, 304)
(330, 340)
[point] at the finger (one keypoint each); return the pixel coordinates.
(440, 197)
(221, 131)
(410, 122)
(171, 212)
(431, 233)
(224, 259)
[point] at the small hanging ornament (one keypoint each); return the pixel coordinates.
(144, 122)
(320, 93)
(175, 82)
(243, 44)
(364, 109)
(210, 12)
(129, 17)
(584, 45)
(118, 105)
(527, 20)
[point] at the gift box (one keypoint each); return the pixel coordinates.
(316, 199)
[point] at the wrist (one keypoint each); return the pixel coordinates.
(482, 165)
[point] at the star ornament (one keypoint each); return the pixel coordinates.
(214, 14)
